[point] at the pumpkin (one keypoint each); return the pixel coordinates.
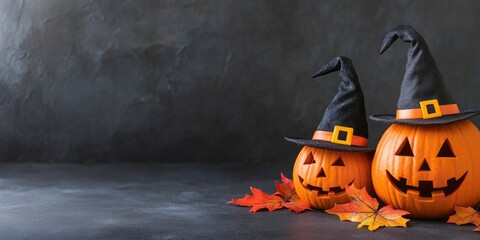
(320, 175)
(427, 170)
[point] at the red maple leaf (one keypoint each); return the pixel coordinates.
(284, 197)
(259, 200)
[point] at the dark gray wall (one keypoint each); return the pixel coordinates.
(217, 81)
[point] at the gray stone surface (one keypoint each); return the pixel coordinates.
(180, 201)
(197, 81)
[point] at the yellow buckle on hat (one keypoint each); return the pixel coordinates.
(336, 131)
(424, 106)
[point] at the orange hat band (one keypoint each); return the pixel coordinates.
(424, 113)
(334, 137)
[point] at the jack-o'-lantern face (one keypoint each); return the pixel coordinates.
(425, 188)
(320, 175)
(427, 170)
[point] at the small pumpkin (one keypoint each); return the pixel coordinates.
(338, 152)
(320, 175)
(427, 170)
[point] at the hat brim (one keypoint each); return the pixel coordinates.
(328, 145)
(432, 121)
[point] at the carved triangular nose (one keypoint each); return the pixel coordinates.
(321, 173)
(424, 166)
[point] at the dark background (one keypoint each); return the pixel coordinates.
(205, 81)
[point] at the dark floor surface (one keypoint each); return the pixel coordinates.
(185, 201)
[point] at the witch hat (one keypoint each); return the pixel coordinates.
(424, 98)
(344, 124)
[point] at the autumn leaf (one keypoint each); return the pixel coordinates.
(364, 209)
(287, 191)
(284, 197)
(259, 200)
(465, 215)
(296, 204)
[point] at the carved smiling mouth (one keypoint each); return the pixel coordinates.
(425, 188)
(335, 190)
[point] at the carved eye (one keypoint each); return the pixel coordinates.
(446, 150)
(309, 159)
(405, 149)
(338, 162)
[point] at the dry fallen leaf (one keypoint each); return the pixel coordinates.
(465, 215)
(259, 200)
(287, 191)
(363, 209)
(284, 197)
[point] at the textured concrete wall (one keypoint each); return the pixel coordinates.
(219, 81)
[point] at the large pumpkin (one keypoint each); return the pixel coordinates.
(320, 175)
(427, 170)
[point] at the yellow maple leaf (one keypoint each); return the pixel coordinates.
(364, 209)
(465, 215)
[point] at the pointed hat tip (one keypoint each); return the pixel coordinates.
(333, 65)
(382, 50)
(405, 32)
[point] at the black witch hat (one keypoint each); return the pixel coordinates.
(344, 124)
(424, 98)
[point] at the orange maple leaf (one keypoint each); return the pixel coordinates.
(363, 209)
(465, 215)
(287, 191)
(284, 197)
